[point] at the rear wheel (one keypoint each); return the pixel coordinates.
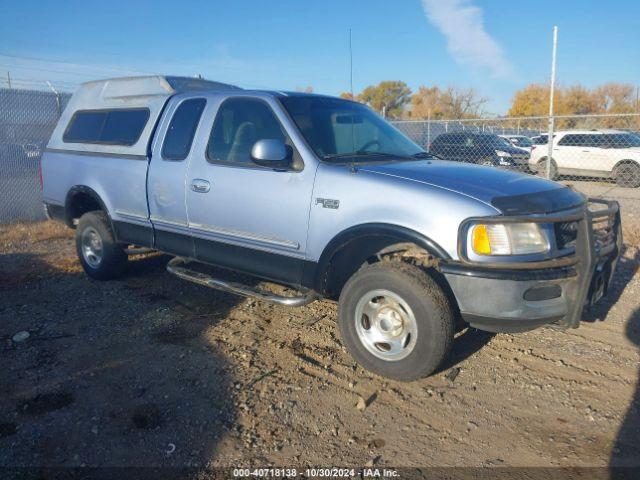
(101, 257)
(627, 175)
(395, 320)
(542, 169)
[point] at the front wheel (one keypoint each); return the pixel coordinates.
(627, 175)
(101, 257)
(395, 320)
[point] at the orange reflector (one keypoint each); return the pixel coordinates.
(480, 240)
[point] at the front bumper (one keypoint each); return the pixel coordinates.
(518, 297)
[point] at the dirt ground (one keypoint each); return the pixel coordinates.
(149, 370)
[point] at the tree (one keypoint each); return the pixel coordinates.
(615, 98)
(531, 101)
(451, 103)
(576, 100)
(346, 95)
(390, 96)
(610, 98)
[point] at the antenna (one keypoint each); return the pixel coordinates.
(350, 65)
(353, 132)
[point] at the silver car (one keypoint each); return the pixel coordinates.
(323, 195)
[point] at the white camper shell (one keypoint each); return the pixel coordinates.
(146, 93)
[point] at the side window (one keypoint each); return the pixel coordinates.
(182, 128)
(572, 141)
(111, 127)
(239, 124)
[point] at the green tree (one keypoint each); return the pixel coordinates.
(390, 96)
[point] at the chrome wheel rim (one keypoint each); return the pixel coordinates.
(386, 325)
(91, 247)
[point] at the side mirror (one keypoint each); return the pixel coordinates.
(272, 153)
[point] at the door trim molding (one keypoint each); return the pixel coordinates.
(247, 236)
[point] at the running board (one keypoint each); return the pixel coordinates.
(177, 267)
(138, 250)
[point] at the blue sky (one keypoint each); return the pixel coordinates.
(493, 46)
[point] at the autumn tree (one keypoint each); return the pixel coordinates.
(390, 96)
(451, 102)
(610, 98)
(346, 95)
(615, 98)
(531, 101)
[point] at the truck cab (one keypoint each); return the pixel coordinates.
(323, 195)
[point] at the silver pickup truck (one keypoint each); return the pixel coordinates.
(323, 195)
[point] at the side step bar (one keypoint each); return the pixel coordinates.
(176, 266)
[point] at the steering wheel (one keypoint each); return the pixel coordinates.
(370, 143)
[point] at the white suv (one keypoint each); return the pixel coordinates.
(592, 153)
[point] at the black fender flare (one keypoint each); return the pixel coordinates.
(83, 189)
(402, 234)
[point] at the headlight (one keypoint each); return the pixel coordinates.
(500, 153)
(508, 239)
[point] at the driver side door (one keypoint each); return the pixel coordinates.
(243, 216)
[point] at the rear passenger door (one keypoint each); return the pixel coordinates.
(168, 175)
(572, 152)
(243, 216)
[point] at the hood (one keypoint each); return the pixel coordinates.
(493, 186)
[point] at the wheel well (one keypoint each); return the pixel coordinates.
(353, 255)
(79, 202)
(625, 162)
(367, 249)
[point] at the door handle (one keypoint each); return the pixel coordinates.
(199, 185)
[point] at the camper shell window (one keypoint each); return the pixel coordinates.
(107, 127)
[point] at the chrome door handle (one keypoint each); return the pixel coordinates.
(199, 185)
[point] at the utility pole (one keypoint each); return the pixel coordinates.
(8, 78)
(551, 92)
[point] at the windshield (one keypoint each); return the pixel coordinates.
(495, 141)
(522, 141)
(340, 128)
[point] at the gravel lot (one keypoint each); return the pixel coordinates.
(152, 371)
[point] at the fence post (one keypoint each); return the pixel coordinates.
(428, 130)
(551, 92)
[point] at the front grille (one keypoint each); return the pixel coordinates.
(603, 233)
(566, 234)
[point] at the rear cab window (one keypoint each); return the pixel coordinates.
(108, 127)
(182, 128)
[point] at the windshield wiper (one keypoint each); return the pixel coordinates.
(422, 155)
(361, 153)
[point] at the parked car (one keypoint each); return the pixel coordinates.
(611, 154)
(540, 139)
(322, 195)
(480, 148)
(520, 141)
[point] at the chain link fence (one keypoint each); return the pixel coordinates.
(27, 118)
(598, 154)
(602, 149)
